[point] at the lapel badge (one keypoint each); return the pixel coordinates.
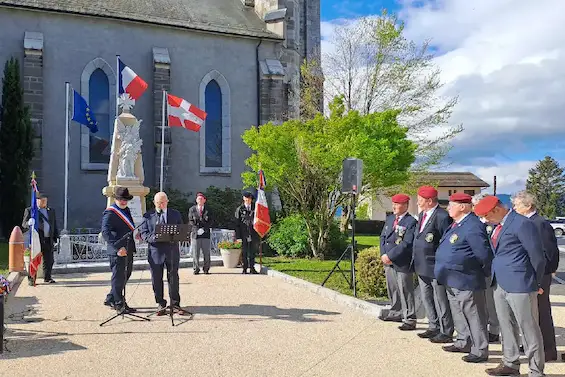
(398, 241)
(429, 237)
(489, 229)
(453, 238)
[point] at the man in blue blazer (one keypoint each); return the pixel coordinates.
(161, 254)
(433, 222)
(525, 204)
(117, 231)
(463, 261)
(396, 254)
(518, 269)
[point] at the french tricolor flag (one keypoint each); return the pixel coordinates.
(130, 82)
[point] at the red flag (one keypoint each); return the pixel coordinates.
(262, 220)
(184, 114)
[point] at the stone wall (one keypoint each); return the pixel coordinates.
(33, 94)
(161, 81)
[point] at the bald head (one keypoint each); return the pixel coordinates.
(161, 200)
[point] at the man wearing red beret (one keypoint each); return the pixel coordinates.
(517, 273)
(463, 261)
(396, 254)
(433, 222)
(200, 218)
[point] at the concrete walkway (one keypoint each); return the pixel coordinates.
(243, 325)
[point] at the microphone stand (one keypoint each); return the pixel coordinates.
(123, 313)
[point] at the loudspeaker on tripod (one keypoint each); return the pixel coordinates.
(352, 175)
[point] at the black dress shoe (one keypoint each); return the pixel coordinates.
(109, 303)
(206, 272)
(454, 349)
(390, 319)
(442, 338)
(253, 271)
(49, 281)
(474, 358)
(503, 370)
(196, 272)
(244, 271)
(130, 310)
(493, 338)
(407, 327)
(428, 334)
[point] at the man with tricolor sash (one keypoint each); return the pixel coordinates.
(117, 229)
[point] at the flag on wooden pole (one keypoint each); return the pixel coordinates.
(262, 220)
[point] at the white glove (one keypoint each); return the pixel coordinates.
(30, 222)
(200, 232)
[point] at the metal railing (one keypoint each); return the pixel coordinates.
(91, 248)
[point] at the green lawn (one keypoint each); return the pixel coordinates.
(315, 271)
(4, 259)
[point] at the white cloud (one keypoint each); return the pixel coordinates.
(505, 59)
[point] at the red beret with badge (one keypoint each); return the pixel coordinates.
(400, 198)
(485, 205)
(427, 192)
(460, 197)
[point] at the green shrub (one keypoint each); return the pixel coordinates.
(362, 212)
(337, 242)
(222, 204)
(289, 237)
(370, 272)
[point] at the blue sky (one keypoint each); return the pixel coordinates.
(510, 80)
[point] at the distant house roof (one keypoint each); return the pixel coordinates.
(455, 179)
(220, 16)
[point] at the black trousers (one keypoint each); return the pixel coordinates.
(48, 258)
(172, 278)
(121, 272)
(546, 320)
(249, 249)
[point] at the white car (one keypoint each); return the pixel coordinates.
(558, 227)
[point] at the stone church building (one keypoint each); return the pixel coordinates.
(236, 59)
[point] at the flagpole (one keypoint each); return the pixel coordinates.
(163, 110)
(65, 222)
(117, 84)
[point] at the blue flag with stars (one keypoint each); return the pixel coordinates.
(83, 114)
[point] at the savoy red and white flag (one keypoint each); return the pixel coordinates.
(262, 220)
(184, 114)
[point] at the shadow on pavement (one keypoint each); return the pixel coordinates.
(273, 312)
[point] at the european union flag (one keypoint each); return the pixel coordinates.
(83, 114)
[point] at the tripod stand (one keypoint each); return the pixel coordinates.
(350, 249)
(172, 233)
(123, 311)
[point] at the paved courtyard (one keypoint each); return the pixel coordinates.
(243, 325)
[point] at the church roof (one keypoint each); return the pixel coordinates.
(220, 16)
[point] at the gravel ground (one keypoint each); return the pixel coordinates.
(243, 325)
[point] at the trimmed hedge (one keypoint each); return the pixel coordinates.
(370, 272)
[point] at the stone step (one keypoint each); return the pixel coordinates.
(69, 268)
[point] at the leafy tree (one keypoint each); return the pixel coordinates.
(16, 149)
(376, 68)
(547, 182)
(303, 159)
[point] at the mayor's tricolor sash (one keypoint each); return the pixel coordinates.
(122, 216)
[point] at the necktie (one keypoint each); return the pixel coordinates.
(495, 234)
(162, 218)
(453, 225)
(395, 223)
(423, 221)
(200, 210)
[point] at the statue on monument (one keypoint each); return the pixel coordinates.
(129, 149)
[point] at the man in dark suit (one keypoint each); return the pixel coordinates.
(525, 204)
(396, 254)
(200, 220)
(463, 261)
(161, 254)
(48, 234)
(245, 233)
(493, 324)
(518, 270)
(433, 222)
(117, 231)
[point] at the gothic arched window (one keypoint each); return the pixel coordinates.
(213, 125)
(99, 101)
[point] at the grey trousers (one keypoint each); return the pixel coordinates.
(493, 324)
(546, 319)
(519, 312)
(470, 319)
(436, 303)
(400, 287)
(198, 244)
